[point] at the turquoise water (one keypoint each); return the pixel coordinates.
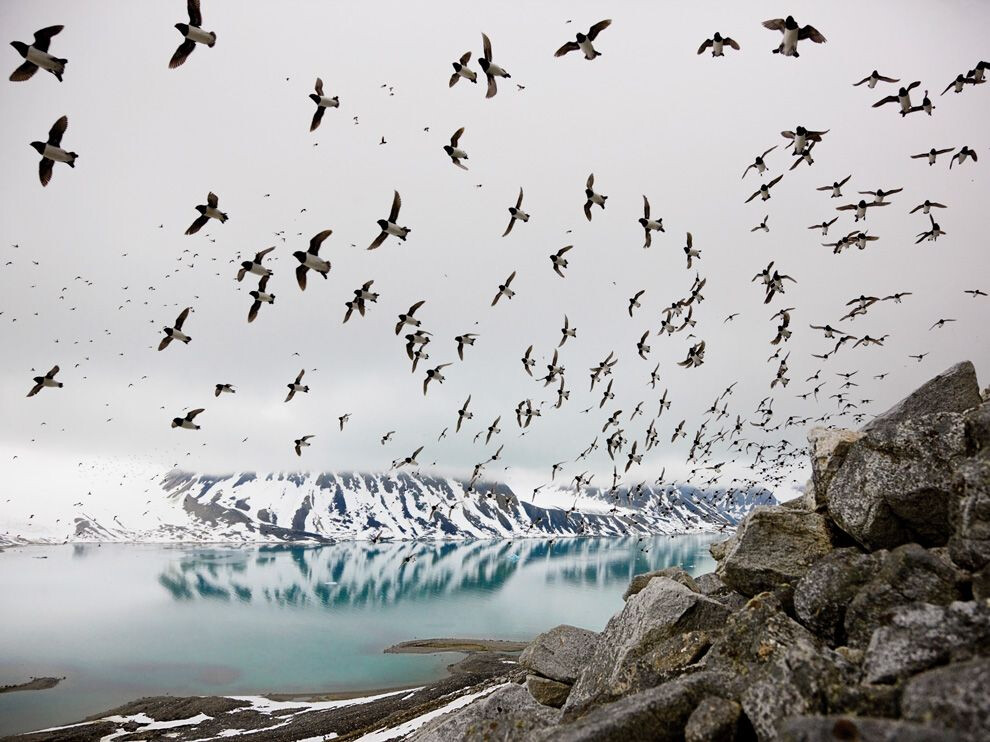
(123, 621)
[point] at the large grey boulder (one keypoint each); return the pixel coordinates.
(786, 670)
(560, 653)
(661, 630)
(714, 719)
(824, 593)
(654, 715)
(970, 516)
(774, 547)
(954, 390)
(858, 729)
(509, 712)
(547, 692)
(677, 574)
(897, 483)
(828, 448)
(957, 697)
(906, 575)
(922, 636)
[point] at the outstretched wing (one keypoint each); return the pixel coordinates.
(24, 72)
(301, 276)
(708, 43)
(195, 14)
(43, 37)
(181, 318)
(598, 28)
(198, 224)
(570, 46)
(57, 130)
(397, 204)
(182, 52)
(775, 24)
(45, 170)
(317, 240)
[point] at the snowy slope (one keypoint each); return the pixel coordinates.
(345, 506)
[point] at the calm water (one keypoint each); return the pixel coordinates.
(122, 621)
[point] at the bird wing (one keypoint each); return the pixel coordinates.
(259, 255)
(646, 207)
(57, 130)
(775, 24)
(508, 281)
(465, 58)
(707, 43)
(35, 389)
(252, 315)
(182, 52)
(888, 79)
(319, 86)
(377, 242)
(731, 42)
(181, 318)
(774, 182)
(587, 210)
(45, 170)
(164, 343)
(317, 240)
(454, 139)
(301, 276)
(192, 413)
(317, 118)
(486, 45)
(492, 85)
(520, 199)
(590, 182)
(195, 14)
(300, 376)
(43, 37)
(598, 28)
(24, 72)
(211, 200)
(393, 214)
(198, 224)
(570, 46)
(810, 32)
(845, 180)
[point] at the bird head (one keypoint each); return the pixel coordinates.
(183, 28)
(382, 224)
(39, 147)
(300, 256)
(21, 47)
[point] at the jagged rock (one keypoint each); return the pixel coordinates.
(711, 584)
(786, 670)
(653, 715)
(507, 713)
(713, 720)
(921, 636)
(718, 549)
(859, 729)
(708, 583)
(560, 653)
(828, 447)
(773, 547)
(897, 483)
(981, 584)
(822, 595)
(908, 574)
(954, 390)
(662, 629)
(970, 518)
(677, 574)
(547, 692)
(978, 425)
(957, 696)
(865, 700)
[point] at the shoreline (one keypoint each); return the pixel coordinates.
(32, 684)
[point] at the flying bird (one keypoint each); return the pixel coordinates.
(591, 197)
(175, 333)
(516, 212)
(186, 421)
(390, 226)
(583, 42)
(490, 69)
(322, 104)
(461, 70)
(717, 44)
(300, 443)
(296, 386)
(36, 55)
(311, 260)
(649, 225)
(48, 380)
(453, 152)
(207, 211)
(792, 33)
(873, 78)
(193, 33)
(51, 151)
(504, 290)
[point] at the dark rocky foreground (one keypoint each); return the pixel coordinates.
(860, 611)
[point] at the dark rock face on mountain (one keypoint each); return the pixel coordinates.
(859, 612)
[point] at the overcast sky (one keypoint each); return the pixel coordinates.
(648, 117)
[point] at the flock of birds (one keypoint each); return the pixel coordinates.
(720, 437)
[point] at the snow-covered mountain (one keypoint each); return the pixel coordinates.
(240, 507)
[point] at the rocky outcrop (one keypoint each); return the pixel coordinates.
(857, 612)
(560, 653)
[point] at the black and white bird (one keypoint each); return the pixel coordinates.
(260, 296)
(516, 213)
(836, 187)
(592, 198)
(463, 414)
(566, 332)
(559, 261)
(931, 234)
(489, 67)
(504, 290)
(186, 421)
(193, 33)
(434, 374)
(759, 164)
(175, 332)
(649, 225)
(717, 44)
(207, 211)
(48, 380)
(297, 386)
(224, 389)
(932, 154)
(792, 34)
(583, 42)
(961, 156)
(51, 151)
(762, 225)
(764, 190)
(634, 301)
(873, 78)
(467, 338)
(461, 69)
(390, 226)
(407, 318)
(322, 102)
(311, 260)
(959, 83)
(454, 152)
(800, 138)
(903, 98)
(861, 208)
(690, 251)
(36, 55)
(300, 443)
(255, 266)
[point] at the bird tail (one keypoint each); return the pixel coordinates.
(59, 384)
(213, 40)
(223, 216)
(186, 340)
(72, 162)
